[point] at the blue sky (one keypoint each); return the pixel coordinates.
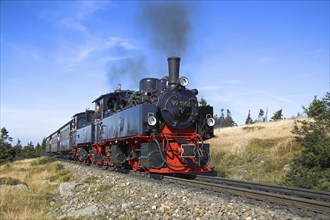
(58, 56)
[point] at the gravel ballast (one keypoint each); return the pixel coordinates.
(98, 194)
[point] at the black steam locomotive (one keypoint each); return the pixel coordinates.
(158, 129)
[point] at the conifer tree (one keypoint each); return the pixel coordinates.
(261, 116)
(17, 148)
(6, 151)
(222, 119)
(311, 169)
(277, 115)
(28, 151)
(203, 102)
(229, 122)
(216, 118)
(249, 119)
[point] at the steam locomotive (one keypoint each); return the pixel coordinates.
(159, 129)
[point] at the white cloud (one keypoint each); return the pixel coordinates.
(23, 52)
(207, 88)
(92, 52)
(276, 97)
(82, 11)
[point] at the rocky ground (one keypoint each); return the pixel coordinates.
(97, 194)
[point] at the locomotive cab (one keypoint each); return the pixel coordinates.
(83, 128)
(110, 103)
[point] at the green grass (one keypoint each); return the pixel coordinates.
(252, 128)
(90, 179)
(262, 161)
(43, 160)
(11, 181)
(104, 187)
(62, 175)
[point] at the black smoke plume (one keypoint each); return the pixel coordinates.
(167, 24)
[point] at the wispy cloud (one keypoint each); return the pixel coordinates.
(82, 11)
(85, 48)
(23, 51)
(207, 88)
(96, 51)
(276, 97)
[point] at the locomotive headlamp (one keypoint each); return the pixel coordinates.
(183, 81)
(152, 121)
(210, 122)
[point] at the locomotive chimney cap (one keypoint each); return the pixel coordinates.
(174, 58)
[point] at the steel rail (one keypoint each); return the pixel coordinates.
(309, 204)
(280, 189)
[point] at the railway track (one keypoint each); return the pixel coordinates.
(316, 201)
(272, 188)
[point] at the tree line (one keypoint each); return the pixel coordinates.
(262, 117)
(223, 120)
(10, 152)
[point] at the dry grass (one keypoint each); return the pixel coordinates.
(260, 152)
(34, 202)
(236, 139)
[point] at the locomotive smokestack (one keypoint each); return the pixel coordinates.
(173, 70)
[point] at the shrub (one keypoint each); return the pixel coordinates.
(252, 128)
(59, 167)
(91, 179)
(311, 169)
(43, 160)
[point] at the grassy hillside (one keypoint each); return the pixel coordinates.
(259, 152)
(31, 203)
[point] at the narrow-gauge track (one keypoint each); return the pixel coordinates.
(317, 201)
(272, 188)
(265, 192)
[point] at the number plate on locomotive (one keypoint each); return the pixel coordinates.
(188, 150)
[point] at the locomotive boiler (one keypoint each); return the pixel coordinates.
(158, 129)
